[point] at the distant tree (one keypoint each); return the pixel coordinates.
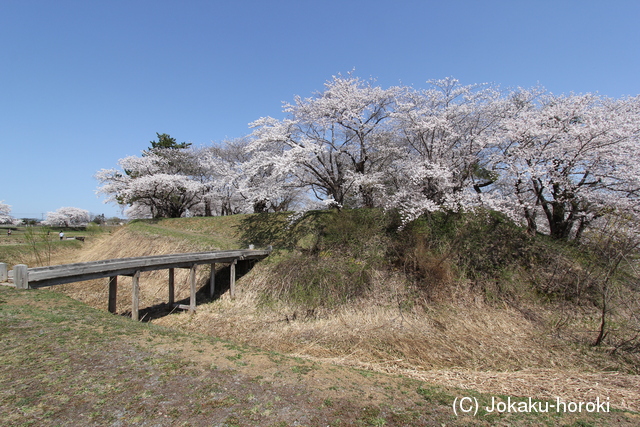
(114, 220)
(5, 211)
(68, 217)
(166, 142)
(146, 186)
(220, 172)
(99, 219)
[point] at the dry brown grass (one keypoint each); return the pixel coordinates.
(128, 243)
(377, 331)
(468, 345)
(462, 341)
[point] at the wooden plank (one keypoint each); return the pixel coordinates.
(113, 293)
(86, 271)
(192, 283)
(212, 280)
(4, 272)
(172, 288)
(68, 273)
(149, 257)
(135, 296)
(21, 276)
(151, 261)
(232, 279)
(97, 266)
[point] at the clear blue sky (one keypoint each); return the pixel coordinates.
(85, 83)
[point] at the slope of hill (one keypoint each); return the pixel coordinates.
(466, 301)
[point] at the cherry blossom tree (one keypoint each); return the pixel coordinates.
(143, 183)
(68, 217)
(571, 159)
(445, 138)
(5, 213)
(335, 144)
(220, 173)
(553, 163)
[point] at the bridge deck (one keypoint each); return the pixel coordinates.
(37, 277)
(68, 273)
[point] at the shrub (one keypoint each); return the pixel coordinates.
(309, 283)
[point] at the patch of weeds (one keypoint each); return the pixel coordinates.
(404, 417)
(312, 283)
(276, 358)
(435, 395)
(237, 347)
(225, 402)
(234, 358)
(260, 380)
(366, 374)
(371, 416)
(302, 369)
(581, 423)
(174, 413)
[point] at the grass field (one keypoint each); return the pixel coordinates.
(346, 323)
(36, 246)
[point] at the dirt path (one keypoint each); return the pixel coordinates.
(622, 390)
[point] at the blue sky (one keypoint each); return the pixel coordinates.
(85, 83)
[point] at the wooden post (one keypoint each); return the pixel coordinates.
(192, 281)
(135, 296)
(232, 279)
(172, 289)
(212, 280)
(113, 293)
(21, 276)
(4, 273)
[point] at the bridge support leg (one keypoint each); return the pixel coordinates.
(113, 293)
(135, 296)
(212, 280)
(192, 282)
(232, 279)
(21, 276)
(172, 288)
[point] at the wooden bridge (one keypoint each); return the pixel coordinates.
(30, 278)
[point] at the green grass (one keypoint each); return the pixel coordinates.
(21, 253)
(203, 233)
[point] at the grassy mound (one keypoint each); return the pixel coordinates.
(341, 267)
